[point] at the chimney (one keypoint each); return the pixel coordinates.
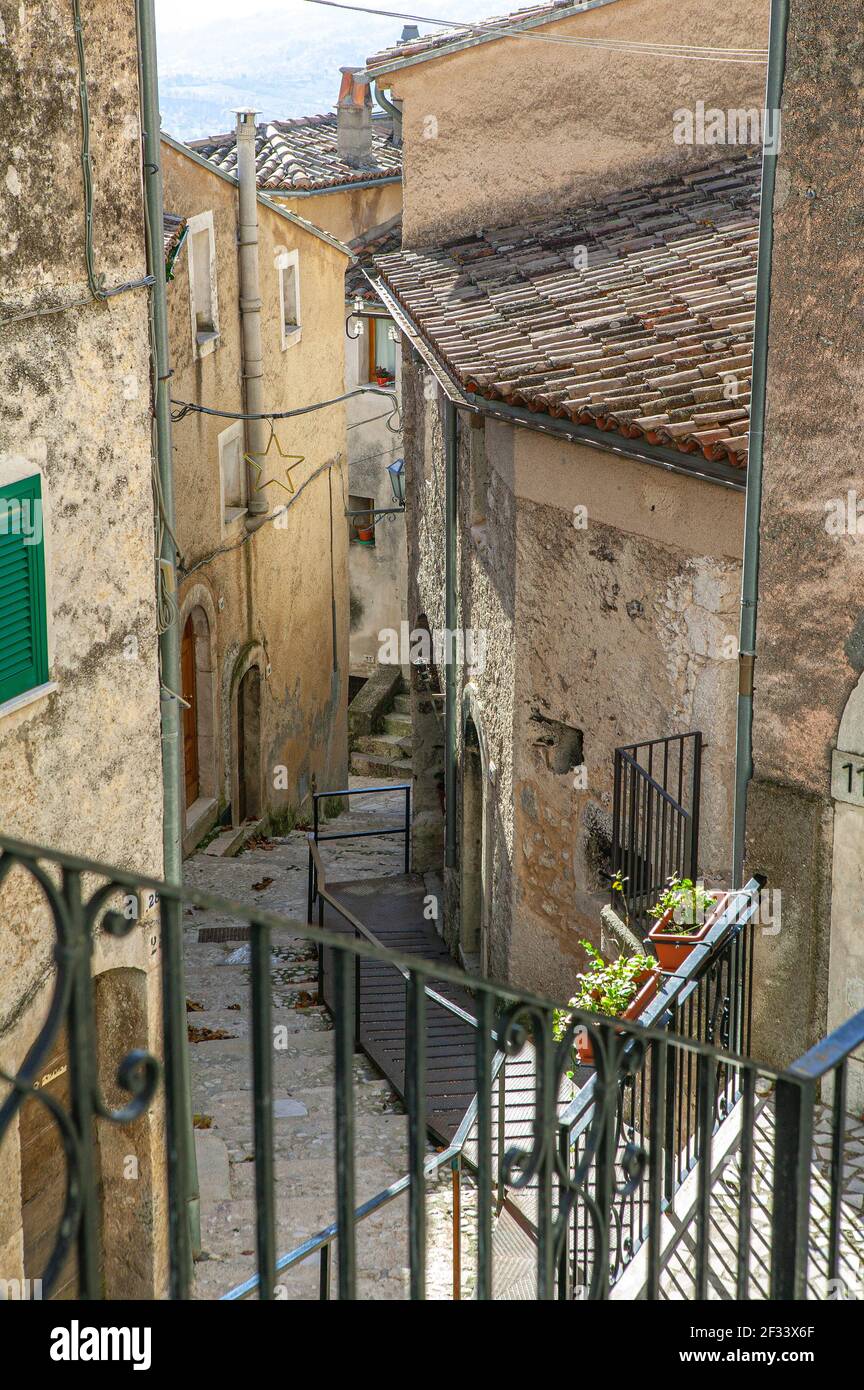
(354, 121)
(410, 32)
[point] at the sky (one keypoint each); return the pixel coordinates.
(281, 57)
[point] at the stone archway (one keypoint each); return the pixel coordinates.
(201, 721)
(475, 867)
(846, 951)
(249, 800)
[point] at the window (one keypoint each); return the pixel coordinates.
(23, 609)
(382, 351)
(288, 270)
(362, 526)
(232, 472)
(202, 283)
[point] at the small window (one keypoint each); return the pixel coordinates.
(202, 282)
(288, 270)
(362, 521)
(232, 471)
(382, 351)
(23, 610)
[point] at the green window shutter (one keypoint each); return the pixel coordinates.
(23, 617)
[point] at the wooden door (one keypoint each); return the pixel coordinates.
(190, 715)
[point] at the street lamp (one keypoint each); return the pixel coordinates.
(396, 469)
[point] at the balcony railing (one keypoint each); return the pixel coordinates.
(677, 1139)
(655, 818)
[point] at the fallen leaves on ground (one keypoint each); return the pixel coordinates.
(233, 1006)
(197, 1035)
(202, 1121)
(193, 1007)
(305, 1000)
(259, 887)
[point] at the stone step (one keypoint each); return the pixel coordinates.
(398, 724)
(384, 745)
(371, 765)
(402, 704)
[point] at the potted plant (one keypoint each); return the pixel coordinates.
(364, 529)
(620, 988)
(685, 914)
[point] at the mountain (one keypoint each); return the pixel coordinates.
(283, 59)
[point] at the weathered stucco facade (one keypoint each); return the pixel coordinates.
(80, 763)
(267, 596)
(379, 573)
(519, 127)
(805, 828)
(590, 637)
(344, 211)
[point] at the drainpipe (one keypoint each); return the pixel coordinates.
(450, 625)
(753, 504)
(169, 640)
(393, 110)
(250, 310)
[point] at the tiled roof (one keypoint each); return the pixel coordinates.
(378, 241)
(301, 155)
(653, 339)
(483, 30)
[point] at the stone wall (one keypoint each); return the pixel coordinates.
(810, 651)
(80, 767)
(594, 636)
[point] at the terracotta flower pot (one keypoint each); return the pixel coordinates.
(647, 985)
(673, 947)
(365, 533)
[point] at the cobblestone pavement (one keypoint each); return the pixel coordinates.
(272, 874)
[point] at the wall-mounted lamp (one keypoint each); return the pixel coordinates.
(396, 469)
(397, 481)
(356, 311)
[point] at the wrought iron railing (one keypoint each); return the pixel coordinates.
(753, 1168)
(655, 819)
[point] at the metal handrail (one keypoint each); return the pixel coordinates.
(677, 987)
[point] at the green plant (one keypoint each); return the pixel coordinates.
(607, 987)
(618, 887)
(689, 902)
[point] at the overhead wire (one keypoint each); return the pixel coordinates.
(691, 52)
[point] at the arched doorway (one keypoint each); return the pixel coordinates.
(472, 885)
(846, 951)
(189, 691)
(249, 746)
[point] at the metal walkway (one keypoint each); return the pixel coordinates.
(393, 908)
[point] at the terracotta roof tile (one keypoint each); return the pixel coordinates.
(653, 338)
(301, 155)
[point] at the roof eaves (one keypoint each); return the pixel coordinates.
(720, 473)
(303, 223)
(458, 45)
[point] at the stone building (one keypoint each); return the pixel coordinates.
(80, 763)
(805, 811)
(378, 561)
(263, 542)
(590, 360)
(343, 171)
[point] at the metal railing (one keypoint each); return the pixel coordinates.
(753, 1162)
(317, 837)
(655, 818)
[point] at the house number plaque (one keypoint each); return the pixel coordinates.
(847, 777)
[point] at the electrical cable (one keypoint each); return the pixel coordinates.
(244, 540)
(192, 407)
(96, 283)
(693, 52)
